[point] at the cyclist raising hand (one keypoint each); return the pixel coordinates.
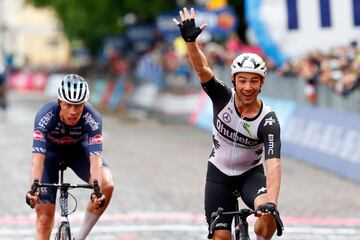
(68, 130)
(245, 129)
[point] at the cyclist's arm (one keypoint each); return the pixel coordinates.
(270, 133)
(95, 168)
(199, 62)
(37, 164)
(95, 142)
(273, 179)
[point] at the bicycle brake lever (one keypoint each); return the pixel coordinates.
(32, 192)
(34, 186)
(215, 218)
(218, 212)
(98, 194)
(279, 223)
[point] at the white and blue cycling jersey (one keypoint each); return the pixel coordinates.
(50, 131)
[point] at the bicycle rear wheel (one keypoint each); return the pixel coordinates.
(63, 233)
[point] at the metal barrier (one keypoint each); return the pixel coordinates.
(293, 88)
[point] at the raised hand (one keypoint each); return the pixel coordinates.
(187, 26)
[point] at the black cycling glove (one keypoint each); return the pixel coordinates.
(188, 30)
(267, 208)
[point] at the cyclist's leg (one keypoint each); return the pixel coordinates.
(44, 220)
(45, 211)
(218, 194)
(107, 187)
(253, 193)
(81, 167)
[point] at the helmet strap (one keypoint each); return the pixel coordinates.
(234, 84)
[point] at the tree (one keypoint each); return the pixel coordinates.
(91, 20)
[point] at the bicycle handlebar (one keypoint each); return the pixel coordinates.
(37, 185)
(65, 185)
(95, 186)
(215, 216)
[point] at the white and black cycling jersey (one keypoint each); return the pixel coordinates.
(239, 142)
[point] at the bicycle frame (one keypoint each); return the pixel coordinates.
(64, 231)
(64, 210)
(240, 216)
(241, 224)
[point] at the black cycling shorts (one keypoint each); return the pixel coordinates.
(75, 157)
(219, 190)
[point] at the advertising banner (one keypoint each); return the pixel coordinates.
(327, 138)
(221, 22)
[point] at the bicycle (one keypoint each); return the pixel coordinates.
(241, 231)
(64, 231)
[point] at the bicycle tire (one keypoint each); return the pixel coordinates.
(63, 233)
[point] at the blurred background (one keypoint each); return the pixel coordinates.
(136, 62)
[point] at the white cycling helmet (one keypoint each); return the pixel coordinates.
(73, 89)
(248, 62)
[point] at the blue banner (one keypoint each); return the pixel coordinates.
(141, 33)
(327, 138)
(220, 22)
(271, 49)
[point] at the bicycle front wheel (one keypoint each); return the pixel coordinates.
(63, 233)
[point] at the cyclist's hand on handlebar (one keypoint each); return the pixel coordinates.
(270, 208)
(187, 26)
(32, 196)
(32, 199)
(98, 202)
(97, 197)
(266, 208)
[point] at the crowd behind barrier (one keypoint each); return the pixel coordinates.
(122, 86)
(338, 70)
(328, 79)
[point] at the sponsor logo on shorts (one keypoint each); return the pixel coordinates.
(262, 190)
(221, 225)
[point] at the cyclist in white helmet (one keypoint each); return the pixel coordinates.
(68, 130)
(245, 131)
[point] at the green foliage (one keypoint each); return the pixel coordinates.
(89, 21)
(92, 20)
